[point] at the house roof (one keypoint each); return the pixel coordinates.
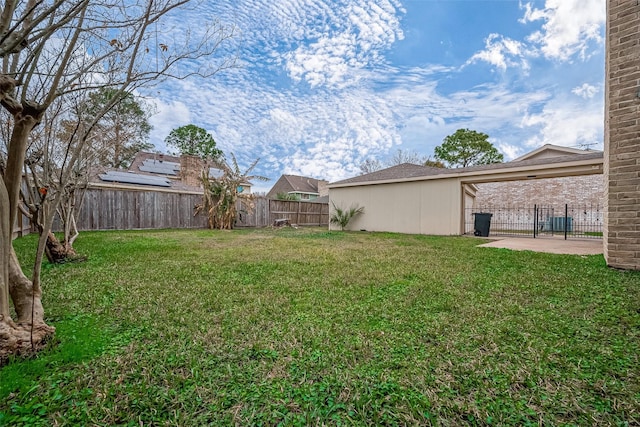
(323, 199)
(302, 184)
(294, 184)
(154, 163)
(151, 170)
(134, 178)
(118, 178)
(163, 164)
(409, 171)
(550, 150)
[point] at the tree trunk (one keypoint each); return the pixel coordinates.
(31, 332)
(25, 296)
(58, 252)
(14, 339)
(24, 123)
(9, 337)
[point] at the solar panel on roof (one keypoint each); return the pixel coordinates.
(152, 162)
(135, 178)
(215, 173)
(165, 168)
(158, 169)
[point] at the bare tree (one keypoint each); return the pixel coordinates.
(399, 157)
(112, 142)
(46, 162)
(51, 49)
(370, 165)
(406, 156)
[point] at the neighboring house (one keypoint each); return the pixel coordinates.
(158, 191)
(549, 150)
(163, 171)
(424, 200)
(585, 192)
(303, 187)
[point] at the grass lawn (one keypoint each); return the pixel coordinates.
(310, 327)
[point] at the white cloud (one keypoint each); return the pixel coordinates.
(569, 27)
(502, 52)
(356, 38)
(169, 115)
(566, 123)
(327, 126)
(510, 151)
(585, 91)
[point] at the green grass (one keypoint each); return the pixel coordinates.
(310, 327)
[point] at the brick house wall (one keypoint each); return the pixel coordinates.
(191, 168)
(576, 191)
(622, 135)
(323, 189)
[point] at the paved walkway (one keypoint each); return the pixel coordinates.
(555, 245)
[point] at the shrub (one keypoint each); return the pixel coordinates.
(342, 217)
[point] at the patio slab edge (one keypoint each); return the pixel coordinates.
(549, 245)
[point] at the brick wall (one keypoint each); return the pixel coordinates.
(577, 191)
(191, 168)
(323, 190)
(622, 135)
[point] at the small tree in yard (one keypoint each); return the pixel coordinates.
(50, 188)
(68, 126)
(58, 49)
(342, 217)
(467, 148)
(222, 194)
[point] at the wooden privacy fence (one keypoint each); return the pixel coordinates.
(120, 209)
(124, 209)
(266, 211)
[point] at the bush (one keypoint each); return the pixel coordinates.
(342, 217)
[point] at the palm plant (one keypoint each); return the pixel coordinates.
(342, 217)
(221, 194)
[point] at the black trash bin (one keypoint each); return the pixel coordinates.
(482, 223)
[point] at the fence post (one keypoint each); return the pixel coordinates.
(566, 220)
(535, 220)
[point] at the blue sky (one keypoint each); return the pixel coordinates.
(322, 85)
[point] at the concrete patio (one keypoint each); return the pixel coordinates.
(555, 245)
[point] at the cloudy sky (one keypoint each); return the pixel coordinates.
(322, 85)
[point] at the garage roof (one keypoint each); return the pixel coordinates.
(520, 169)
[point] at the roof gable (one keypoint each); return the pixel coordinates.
(302, 184)
(294, 184)
(548, 151)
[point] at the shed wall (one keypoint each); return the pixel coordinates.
(425, 207)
